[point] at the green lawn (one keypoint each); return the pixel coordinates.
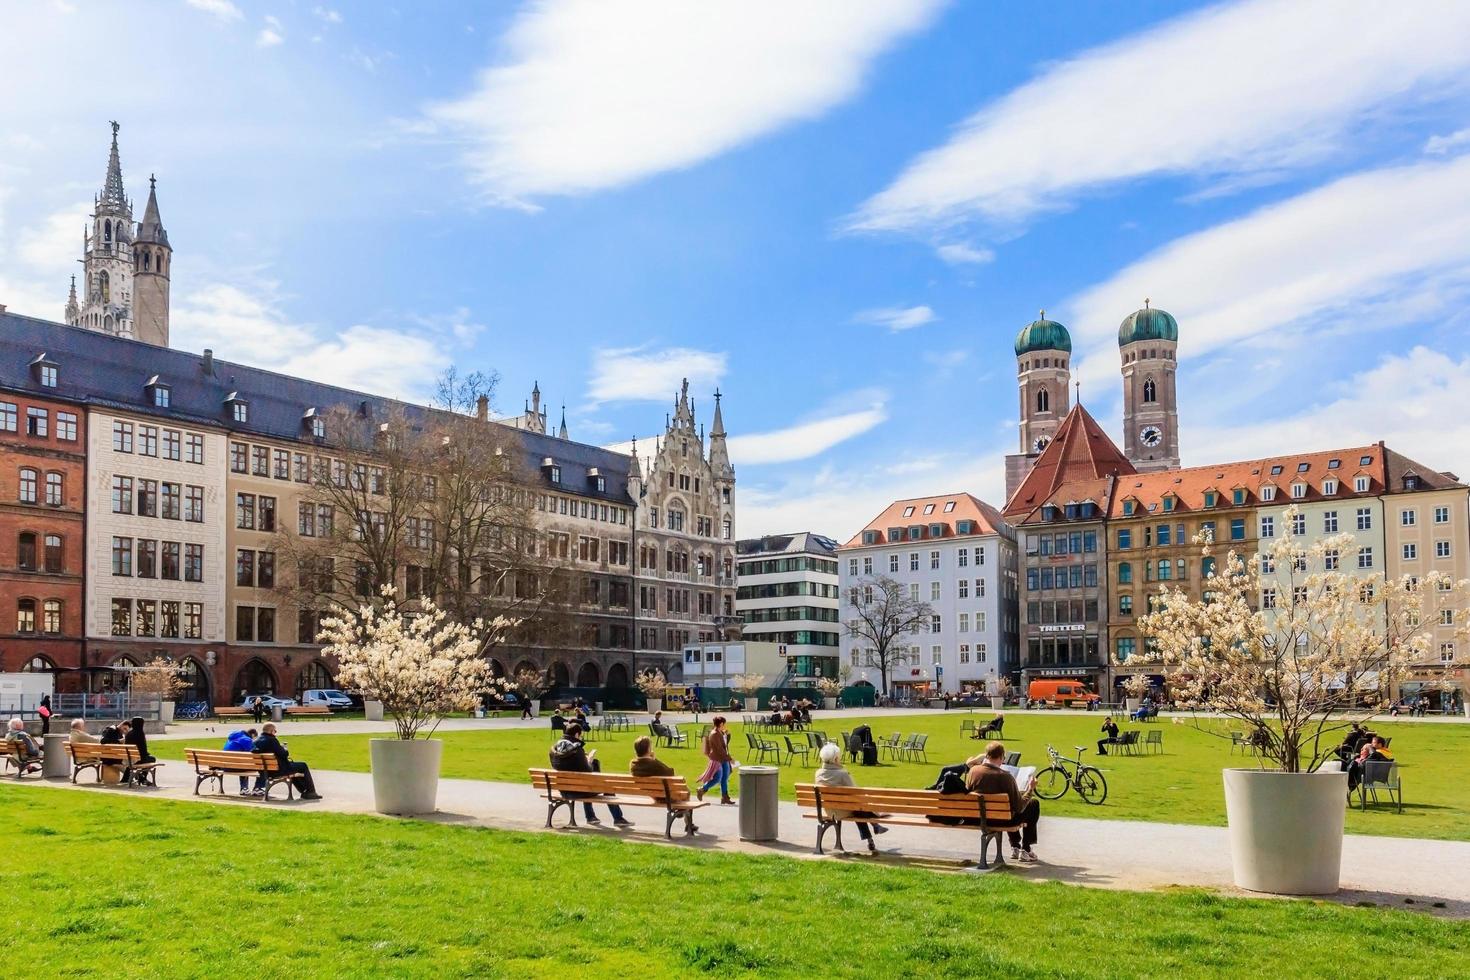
(1181, 786)
(103, 884)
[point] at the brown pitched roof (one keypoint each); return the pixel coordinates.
(965, 508)
(1400, 466)
(1079, 461)
(1312, 469)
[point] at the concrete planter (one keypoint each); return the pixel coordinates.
(535, 705)
(1286, 830)
(405, 774)
(1466, 708)
(997, 703)
(372, 710)
(1132, 704)
(829, 704)
(166, 712)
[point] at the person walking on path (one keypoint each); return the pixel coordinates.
(717, 751)
(526, 707)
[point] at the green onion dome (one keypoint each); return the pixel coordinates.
(1043, 334)
(1147, 324)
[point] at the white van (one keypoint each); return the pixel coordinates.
(335, 700)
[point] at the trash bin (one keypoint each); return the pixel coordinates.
(55, 764)
(759, 796)
(275, 712)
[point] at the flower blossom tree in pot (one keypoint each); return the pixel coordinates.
(748, 685)
(1134, 688)
(158, 679)
(529, 684)
(1000, 690)
(653, 684)
(1293, 649)
(831, 688)
(421, 666)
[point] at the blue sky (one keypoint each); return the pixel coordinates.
(840, 213)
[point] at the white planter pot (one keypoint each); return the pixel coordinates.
(372, 710)
(997, 703)
(1466, 708)
(830, 704)
(1132, 704)
(535, 705)
(166, 712)
(1286, 830)
(405, 774)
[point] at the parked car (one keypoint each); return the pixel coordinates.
(270, 701)
(1065, 692)
(336, 700)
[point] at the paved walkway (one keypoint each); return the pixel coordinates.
(1423, 874)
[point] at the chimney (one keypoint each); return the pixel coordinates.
(482, 408)
(208, 361)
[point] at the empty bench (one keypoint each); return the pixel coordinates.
(14, 753)
(669, 793)
(228, 712)
(309, 711)
(988, 813)
(216, 764)
(95, 755)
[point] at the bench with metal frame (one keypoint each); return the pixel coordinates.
(14, 753)
(216, 764)
(95, 755)
(308, 711)
(989, 813)
(567, 789)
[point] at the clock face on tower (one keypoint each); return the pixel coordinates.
(1039, 443)
(1151, 435)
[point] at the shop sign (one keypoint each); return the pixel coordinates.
(1064, 628)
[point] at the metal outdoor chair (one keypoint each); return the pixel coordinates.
(892, 745)
(1239, 741)
(1155, 742)
(1013, 758)
(917, 751)
(968, 725)
(1381, 775)
(762, 747)
(903, 750)
(792, 749)
(816, 740)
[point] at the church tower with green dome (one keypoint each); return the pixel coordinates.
(1044, 373)
(1148, 340)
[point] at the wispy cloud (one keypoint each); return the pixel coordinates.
(53, 244)
(591, 94)
(807, 439)
(223, 9)
(960, 253)
(1240, 88)
(327, 15)
(271, 34)
(897, 318)
(1438, 145)
(651, 374)
(1376, 248)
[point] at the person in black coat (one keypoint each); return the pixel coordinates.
(1110, 735)
(300, 772)
(257, 709)
(569, 754)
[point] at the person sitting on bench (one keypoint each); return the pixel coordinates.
(300, 772)
(645, 763)
(1110, 735)
(244, 741)
(570, 754)
(79, 733)
(989, 777)
(30, 752)
(831, 773)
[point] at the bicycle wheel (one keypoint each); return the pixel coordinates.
(1052, 782)
(1091, 785)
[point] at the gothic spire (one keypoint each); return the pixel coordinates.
(635, 472)
(151, 228)
(717, 430)
(112, 196)
(73, 309)
(719, 454)
(561, 433)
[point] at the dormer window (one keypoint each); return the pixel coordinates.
(928, 509)
(237, 407)
(1128, 508)
(45, 371)
(1168, 503)
(1050, 512)
(1298, 491)
(1360, 484)
(158, 393)
(1211, 498)
(908, 512)
(1276, 470)
(936, 530)
(1238, 496)
(553, 471)
(948, 506)
(1333, 464)
(1411, 481)
(1329, 487)
(916, 532)
(964, 527)
(870, 537)
(1268, 492)
(387, 438)
(313, 423)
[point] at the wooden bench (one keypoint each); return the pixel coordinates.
(14, 754)
(989, 813)
(95, 755)
(228, 712)
(216, 764)
(309, 710)
(671, 793)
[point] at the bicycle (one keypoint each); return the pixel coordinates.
(1064, 773)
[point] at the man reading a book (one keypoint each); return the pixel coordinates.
(990, 776)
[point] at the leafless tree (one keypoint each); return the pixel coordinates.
(884, 613)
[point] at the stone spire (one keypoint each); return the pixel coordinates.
(151, 228)
(561, 433)
(112, 197)
(683, 414)
(635, 472)
(73, 309)
(719, 454)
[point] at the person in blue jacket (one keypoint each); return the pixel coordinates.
(243, 741)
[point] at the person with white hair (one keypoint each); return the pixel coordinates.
(831, 773)
(30, 754)
(79, 732)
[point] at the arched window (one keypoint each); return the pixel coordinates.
(107, 230)
(589, 675)
(1150, 393)
(104, 287)
(314, 676)
(25, 615)
(54, 558)
(29, 483)
(37, 665)
(194, 681)
(617, 676)
(51, 616)
(55, 489)
(255, 677)
(25, 551)
(147, 260)
(560, 676)
(1043, 400)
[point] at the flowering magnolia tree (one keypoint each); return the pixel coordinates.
(748, 684)
(653, 684)
(1294, 647)
(830, 687)
(1137, 685)
(158, 678)
(420, 664)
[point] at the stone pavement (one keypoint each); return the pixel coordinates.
(1423, 874)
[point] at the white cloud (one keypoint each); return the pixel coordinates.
(1373, 249)
(1443, 144)
(248, 325)
(648, 374)
(1403, 400)
(327, 15)
(56, 242)
(1238, 88)
(591, 94)
(897, 318)
(223, 9)
(806, 439)
(960, 253)
(271, 34)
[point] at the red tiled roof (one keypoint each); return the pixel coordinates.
(966, 508)
(1076, 465)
